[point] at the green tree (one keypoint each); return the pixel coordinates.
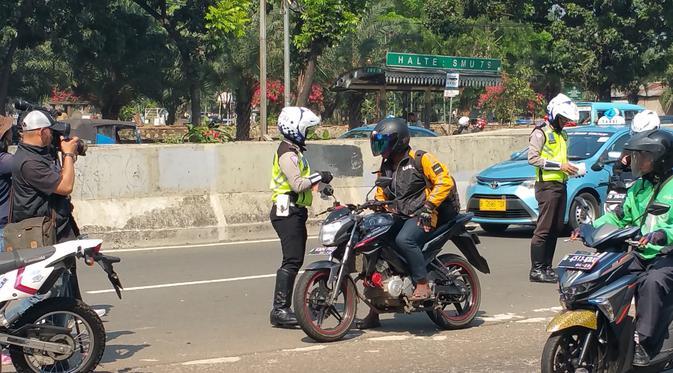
(604, 44)
(321, 24)
(510, 99)
(25, 24)
(197, 29)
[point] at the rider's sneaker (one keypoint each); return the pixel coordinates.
(640, 357)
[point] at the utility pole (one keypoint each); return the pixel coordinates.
(262, 66)
(286, 52)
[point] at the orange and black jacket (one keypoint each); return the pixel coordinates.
(417, 182)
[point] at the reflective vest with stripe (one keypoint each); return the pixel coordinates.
(555, 149)
(280, 185)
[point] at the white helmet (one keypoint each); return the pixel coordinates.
(646, 120)
(463, 121)
(294, 122)
(564, 106)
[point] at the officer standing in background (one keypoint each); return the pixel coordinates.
(292, 184)
(548, 152)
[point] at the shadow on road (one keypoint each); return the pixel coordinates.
(115, 353)
(512, 232)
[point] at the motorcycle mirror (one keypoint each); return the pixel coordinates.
(383, 182)
(658, 208)
(597, 166)
(327, 192)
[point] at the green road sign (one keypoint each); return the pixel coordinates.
(441, 62)
(573, 92)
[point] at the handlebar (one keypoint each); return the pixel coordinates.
(358, 208)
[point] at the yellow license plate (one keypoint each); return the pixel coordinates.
(493, 204)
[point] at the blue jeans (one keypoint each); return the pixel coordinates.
(409, 242)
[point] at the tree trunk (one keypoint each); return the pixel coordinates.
(195, 96)
(243, 109)
(354, 101)
(605, 92)
(305, 80)
(5, 72)
(171, 115)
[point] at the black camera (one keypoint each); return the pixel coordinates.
(64, 130)
(58, 128)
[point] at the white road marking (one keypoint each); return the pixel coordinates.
(502, 317)
(149, 360)
(201, 245)
(189, 283)
(533, 320)
(390, 338)
(220, 360)
(306, 349)
(439, 338)
(550, 309)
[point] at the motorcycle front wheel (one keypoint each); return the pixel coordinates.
(320, 321)
(563, 349)
(86, 336)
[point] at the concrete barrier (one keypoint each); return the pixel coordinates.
(146, 195)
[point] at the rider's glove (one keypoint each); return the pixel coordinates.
(657, 237)
(322, 176)
(425, 217)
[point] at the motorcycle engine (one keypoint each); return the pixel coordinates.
(395, 285)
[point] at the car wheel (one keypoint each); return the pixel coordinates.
(494, 228)
(583, 213)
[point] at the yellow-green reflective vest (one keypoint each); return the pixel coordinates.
(555, 149)
(280, 185)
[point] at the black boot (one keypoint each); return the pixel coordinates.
(640, 356)
(369, 322)
(281, 314)
(551, 273)
(539, 274)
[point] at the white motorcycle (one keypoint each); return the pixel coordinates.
(57, 334)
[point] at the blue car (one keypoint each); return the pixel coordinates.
(504, 193)
(364, 132)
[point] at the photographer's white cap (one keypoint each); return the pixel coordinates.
(37, 119)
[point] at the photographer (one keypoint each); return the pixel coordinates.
(41, 184)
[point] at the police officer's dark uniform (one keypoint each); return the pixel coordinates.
(548, 152)
(291, 184)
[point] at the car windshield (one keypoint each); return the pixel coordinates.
(581, 145)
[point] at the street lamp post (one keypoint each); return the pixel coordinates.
(262, 66)
(286, 51)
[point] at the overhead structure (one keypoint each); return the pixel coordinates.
(406, 72)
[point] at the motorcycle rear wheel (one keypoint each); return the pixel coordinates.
(312, 312)
(88, 330)
(465, 310)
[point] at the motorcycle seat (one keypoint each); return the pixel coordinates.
(443, 229)
(10, 261)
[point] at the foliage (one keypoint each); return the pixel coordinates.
(507, 100)
(203, 134)
(138, 105)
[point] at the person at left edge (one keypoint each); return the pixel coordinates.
(292, 184)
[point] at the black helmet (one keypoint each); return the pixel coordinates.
(658, 144)
(390, 136)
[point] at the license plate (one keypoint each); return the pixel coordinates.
(493, 204)
(321, 251)
(582, 262)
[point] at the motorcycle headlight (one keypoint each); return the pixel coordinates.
(328, 231)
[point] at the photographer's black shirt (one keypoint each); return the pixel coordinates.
(35, 176)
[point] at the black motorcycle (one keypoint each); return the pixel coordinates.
(326, 295)
(594, 332)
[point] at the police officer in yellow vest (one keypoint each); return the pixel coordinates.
(548, 152)
(292, 184)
